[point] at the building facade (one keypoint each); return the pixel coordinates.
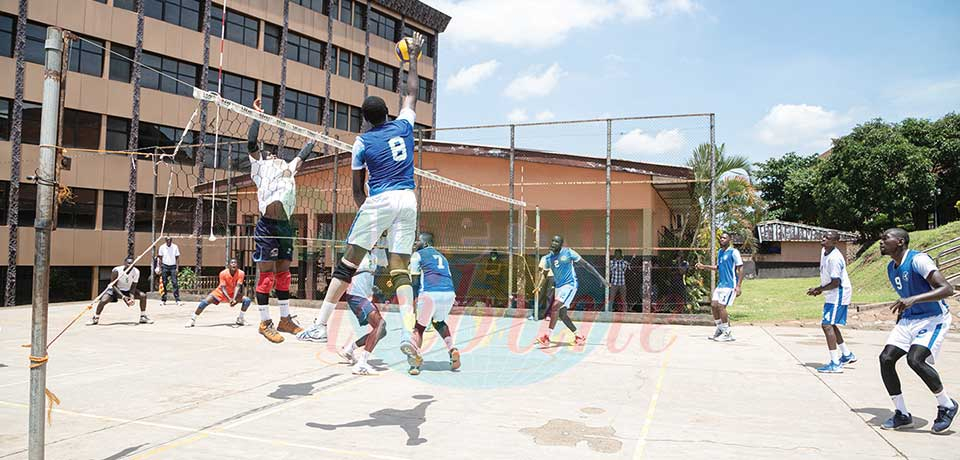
(336, 53)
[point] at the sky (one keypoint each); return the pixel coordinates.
(780, 76)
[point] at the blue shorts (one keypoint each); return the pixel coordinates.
(267, 246)
(834, 314)
(361, 308)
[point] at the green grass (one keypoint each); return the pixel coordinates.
(772, 300)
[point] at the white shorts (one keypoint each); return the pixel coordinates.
(361, 285)
(565, 294)
(394, 211)
(927, 332)
(725, 296)
(435, 306)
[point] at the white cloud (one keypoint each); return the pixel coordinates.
(800, 125)
(517, 116)
(545, 115)
(638, 142)
(541, 24)
(532, 84)
(467, 78)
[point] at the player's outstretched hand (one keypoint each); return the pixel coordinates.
(700, 266)
(258, 105)
(813, 291)
(415, 44)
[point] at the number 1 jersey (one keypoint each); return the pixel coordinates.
(387, 153)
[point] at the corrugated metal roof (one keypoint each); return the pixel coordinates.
(778, 230)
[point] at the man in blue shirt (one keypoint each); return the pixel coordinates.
(560, 261)
(436, 297)
(386, 153)
(730, 270)
(922, 322)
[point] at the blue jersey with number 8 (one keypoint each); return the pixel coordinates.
(387, 153)
(434, 270)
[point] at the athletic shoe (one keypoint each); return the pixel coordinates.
(848, 359)
(580, 341)
(414, 370)
(315, 333)
(899, 420)
(163, 303)
(179, 303)
(716, 334)
(191, 323)
(363, 369)
(543, 340)
(945, 417)
(413, 355)
(240, 321)
(95, 320)
(267, 330)
(144, 319)
(454, 359)
(288, 325)
(830, 368)
(726, 336)
(347, 356)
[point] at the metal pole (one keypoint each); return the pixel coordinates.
(713, 204)
(46, 181)
(333, 217)
(229, 185)
(536, 232)
(606, 245)
(513, 133)
(153, 217)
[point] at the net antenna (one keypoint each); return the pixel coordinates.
(216, 132)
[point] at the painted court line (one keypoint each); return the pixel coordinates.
(55, 378)
(652, 408)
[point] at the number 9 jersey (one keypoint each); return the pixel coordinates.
(387, 153)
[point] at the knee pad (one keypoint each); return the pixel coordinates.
(263, 299)
(265, 283)
(344, 272)
(283, 282)
(203, 304)
(246, 302)
(400, 278)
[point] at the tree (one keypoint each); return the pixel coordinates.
(738, 205)
(798, 196)
(772, 177)
(945, 134)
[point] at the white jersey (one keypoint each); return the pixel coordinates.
(362, 283)
(835, 266)
(125, 281)
(274, 179)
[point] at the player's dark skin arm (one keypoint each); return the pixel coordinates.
(833, 284)
(739, 270)
(253, 146)
(941, 290)
(359, 180)
(594, 271)
(414, 46)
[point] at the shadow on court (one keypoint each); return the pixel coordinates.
(125, 452)
(293, 390)
(409, 420)
(880, 415)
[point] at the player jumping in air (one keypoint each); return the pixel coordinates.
(386, 152)
(561, 261)
(836, 289)
(231, 285)
(277, 197)
(125, 288)
(730, 267)
(360, 300)
(922, 323)
(436, 296)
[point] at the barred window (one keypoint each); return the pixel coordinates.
(182, 71)
(235, 87)
(86, 57)
(383, 25)
(121, 69)
(184, 13)
(301, 106)
(382, 76)
(241, 28)
(118, 133)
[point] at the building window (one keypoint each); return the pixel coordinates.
(115, 211)
(348, 65)
(315, 5)
(342, 121)
(383, 25)
(382, 76)
(425, 91)
(355, 119)
(31, 123)
(271, 38)
(344, 117)
(121, 69)
(6, 109)
(428, 45)
(33, 48)
(299, 48)
(352, 13)
(8, 33)
(179, 214)
(426, 134)
(70, 284)
(182, 71)
(241, 28)
(184, 13)
(80, 211)
(28, 205)
(269, 94)
(301, 106)
(227, 146)
(81, 129)
(118, 134)
(152, 135)
(87, 57)
(235, 88)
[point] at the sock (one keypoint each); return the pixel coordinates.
(900, 404)
(326, 309)
(717, 322)
(284, 307)
(361, 356)
(405, 296)
(448, 341)
(725, 327)
(843, 348)
(241, 314)
(194, 315)
(264, 312)
(835, 356)
(350, 347)
(943, 400)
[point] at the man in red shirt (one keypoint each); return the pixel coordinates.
(231, 283)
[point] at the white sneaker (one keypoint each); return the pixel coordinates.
(240, 321)
(95, 320)
(727, 336)
(179, 303)
(191, 322)
(314, 333)
(163, 303)
(363, 369)
(144, 319)
(347, 356)
(716, 334)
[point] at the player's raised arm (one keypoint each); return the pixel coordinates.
(253, 146)
(305, 153)
(414, 45)
(592, 270)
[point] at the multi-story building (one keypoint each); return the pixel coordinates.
(337, 51)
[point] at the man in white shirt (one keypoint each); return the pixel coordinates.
(168, 259)
(123, 286)
(836, 289)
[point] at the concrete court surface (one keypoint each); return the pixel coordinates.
(634, 391)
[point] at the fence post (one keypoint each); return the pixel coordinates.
(606, 244)
(510, 236)
(713, 204)
(46, 183)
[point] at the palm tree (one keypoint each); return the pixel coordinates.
(738, 205)
(16, 136)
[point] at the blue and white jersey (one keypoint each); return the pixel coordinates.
(387, 153)
(434, 270)
(561, 263)
(834, 266)
(727, 262)
(910, 279)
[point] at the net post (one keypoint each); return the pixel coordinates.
(536, 232)
(229, 186)
(606, 244)
(153, 217)
(46, 182)
(713, 204)
(510, 236)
